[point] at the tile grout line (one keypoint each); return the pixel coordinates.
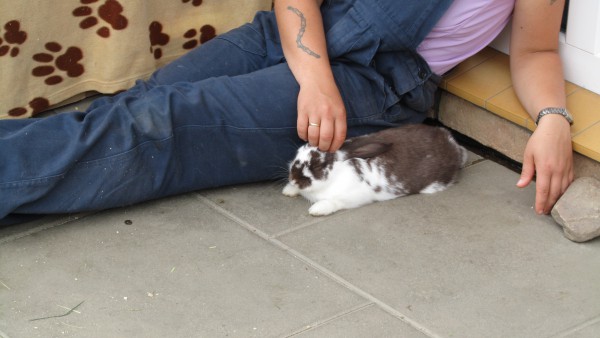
(327, 320)
(585, 129)
(576, 328)
(41, 228)
(487, 100)
(294, 229)
(474, 163)
(328, 273)
(453, 76)
(316, 220)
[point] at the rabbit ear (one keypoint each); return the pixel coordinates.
(368, 150)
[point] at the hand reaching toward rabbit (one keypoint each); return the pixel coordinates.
(322, 116)
(321, 112)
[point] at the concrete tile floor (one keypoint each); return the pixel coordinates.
(246, 261)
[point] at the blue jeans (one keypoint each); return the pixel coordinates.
(225, 113)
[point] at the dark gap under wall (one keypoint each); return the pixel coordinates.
(480, 149)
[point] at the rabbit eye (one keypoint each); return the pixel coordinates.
(297, 175)
(320, 164)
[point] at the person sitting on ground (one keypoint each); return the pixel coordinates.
(235, 109)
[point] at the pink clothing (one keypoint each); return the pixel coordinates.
(466, 28)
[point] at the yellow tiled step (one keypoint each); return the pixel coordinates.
(484, 80)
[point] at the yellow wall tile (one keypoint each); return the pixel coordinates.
(507, 105)
(483, 81)
(469, 64)
(570, 88)
(588, 142)
(585, 108)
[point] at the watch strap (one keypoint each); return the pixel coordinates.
(553, 110)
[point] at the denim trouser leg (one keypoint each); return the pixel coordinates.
(156, 140)
(223, 114)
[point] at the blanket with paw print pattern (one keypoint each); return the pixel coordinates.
(54, 51)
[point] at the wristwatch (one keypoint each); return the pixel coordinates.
(551, 110)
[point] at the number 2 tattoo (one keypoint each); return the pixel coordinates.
(301, 33)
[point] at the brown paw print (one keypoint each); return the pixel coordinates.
(207, 32)
(194, 2)
(13, 36)
(110, 12)
(37, 105)
(68, 62)
(157, 38)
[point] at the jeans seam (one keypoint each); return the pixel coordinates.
(116, 158)
(31, 182)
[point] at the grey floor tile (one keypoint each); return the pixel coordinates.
(264, 206)
(472, 261)
(473, 158)
(588, 329)
(36, 224)
(172, 268)
(369, 322)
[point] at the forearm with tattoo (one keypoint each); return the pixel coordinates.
(300, 35)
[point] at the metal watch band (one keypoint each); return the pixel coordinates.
(552, 110)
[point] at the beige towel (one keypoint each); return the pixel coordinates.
(51, 51)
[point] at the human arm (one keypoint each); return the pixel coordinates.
(539, 83)
(304, 46)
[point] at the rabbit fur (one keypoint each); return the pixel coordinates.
(376, 167)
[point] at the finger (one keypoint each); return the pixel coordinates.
(314, 132)
(527, 172)
(302, 126)
(564, 184)
(339, 134)
(553, 195)
(542, 190)
(568, 180)
(325, 134)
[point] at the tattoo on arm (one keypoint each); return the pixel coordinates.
(301, 33)
(552, 2)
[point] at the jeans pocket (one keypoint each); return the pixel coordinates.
(351, 38)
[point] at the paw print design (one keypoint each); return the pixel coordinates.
(110, 12)
(207, 32)
(67, 62)
(157, 38)
(13, 36)
(37, 105)
(194, 2)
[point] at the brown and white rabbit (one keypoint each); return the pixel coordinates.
(376, 167)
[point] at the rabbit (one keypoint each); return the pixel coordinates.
(380, 166)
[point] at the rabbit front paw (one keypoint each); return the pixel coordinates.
(291, 190)
(323, 208)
